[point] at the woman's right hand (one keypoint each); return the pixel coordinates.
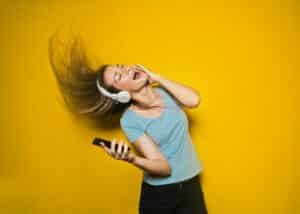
(119, 153)
(153, 77)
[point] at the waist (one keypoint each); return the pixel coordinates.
(180, 183)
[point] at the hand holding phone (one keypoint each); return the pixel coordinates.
(97, 141)
(115, 152)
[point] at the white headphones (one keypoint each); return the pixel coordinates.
(122, 96)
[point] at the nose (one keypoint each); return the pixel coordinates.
(127, 70)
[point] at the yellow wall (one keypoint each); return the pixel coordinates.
(240, 56)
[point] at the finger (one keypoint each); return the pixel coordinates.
(125, 152)
(140, 67)
(122, 155)
(130, 157)
(120, 145)
(112, 147)
(105, 148)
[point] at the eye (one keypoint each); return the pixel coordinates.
(117, 77)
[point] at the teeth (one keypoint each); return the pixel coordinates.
(134, 74)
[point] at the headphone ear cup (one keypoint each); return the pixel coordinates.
(123, 97)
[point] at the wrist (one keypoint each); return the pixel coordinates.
(133, 159)
(158, 78)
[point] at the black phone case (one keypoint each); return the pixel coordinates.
(107, 143)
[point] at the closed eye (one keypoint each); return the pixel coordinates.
(117, 77)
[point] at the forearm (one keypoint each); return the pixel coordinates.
(154, 167)
(184, 94)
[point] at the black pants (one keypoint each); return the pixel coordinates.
(178, 198)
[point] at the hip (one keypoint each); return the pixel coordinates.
(169, 195)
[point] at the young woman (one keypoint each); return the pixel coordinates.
(153, 121)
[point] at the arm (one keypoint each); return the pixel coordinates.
(187, 96)
(153, 161)
(153, 167)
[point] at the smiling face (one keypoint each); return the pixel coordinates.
(125, 77)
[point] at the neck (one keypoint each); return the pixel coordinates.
(145, 98)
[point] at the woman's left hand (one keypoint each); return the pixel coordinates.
(153, 77)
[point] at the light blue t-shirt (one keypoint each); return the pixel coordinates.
(171, 133)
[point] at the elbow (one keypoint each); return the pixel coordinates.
(168, 170)
(195, 102)
(163, 168)
(169, 173)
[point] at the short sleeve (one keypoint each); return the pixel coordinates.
(171, 99)
(132, 131)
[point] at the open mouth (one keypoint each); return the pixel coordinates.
(136, 75)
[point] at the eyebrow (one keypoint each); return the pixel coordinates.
(114, 75)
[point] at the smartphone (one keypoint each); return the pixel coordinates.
(107, 143)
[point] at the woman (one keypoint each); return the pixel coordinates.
(153, 121)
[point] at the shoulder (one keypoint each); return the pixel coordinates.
(125, 117)
(128, 119)
(131, 126)
(165, 92)
(160, 88)
(168, 96)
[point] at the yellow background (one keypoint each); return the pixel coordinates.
(241, 57)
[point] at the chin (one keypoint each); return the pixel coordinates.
(143, 84)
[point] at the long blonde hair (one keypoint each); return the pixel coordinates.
(76, 80)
